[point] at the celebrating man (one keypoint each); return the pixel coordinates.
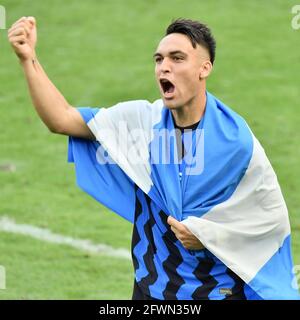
(209, 218)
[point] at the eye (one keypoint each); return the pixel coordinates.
(177, 59)
(158, 59)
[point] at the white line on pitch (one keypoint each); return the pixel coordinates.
(9, 225)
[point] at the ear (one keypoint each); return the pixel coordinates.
(205, 69)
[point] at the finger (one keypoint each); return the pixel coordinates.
(173, 222)
(174, 230)
(21, 19)
(188, 244)
(29, 23)
(13, 28)
(18, 30)
(22, 24)
(19, 40)
(31, 20)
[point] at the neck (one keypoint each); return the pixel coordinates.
(190, 113)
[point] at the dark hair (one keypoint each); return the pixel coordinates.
(197, 33)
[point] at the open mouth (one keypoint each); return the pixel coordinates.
(167, 86)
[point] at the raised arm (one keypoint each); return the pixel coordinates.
(58, 115)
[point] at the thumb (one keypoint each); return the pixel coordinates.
(173, 222)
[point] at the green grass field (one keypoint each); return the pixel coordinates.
(99, 53)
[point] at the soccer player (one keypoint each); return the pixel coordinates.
(199, 225)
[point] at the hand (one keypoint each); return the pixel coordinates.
(183, 234)
(23, 37)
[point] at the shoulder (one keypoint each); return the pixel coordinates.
(136, 113)
(230, 125)
(135, 106)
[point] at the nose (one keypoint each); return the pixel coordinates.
(165, 66)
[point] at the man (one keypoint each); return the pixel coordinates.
(202, 211)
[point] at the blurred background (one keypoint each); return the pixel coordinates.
(99, 52)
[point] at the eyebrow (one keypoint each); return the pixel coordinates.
(157, 54)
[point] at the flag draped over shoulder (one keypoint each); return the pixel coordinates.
(224, 189)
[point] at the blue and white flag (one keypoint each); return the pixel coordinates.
(224, 190)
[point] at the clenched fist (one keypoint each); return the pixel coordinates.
(23, 36)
